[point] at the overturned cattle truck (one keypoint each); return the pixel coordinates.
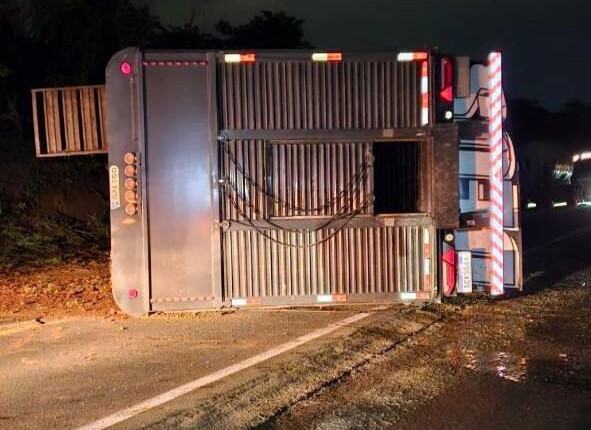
(284, 178)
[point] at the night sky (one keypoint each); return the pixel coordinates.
(545, 42)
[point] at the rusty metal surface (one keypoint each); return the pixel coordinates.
(298, 94)
(70, 120)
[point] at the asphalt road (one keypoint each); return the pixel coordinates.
(523, 363)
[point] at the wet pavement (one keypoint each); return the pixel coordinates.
(519, 364)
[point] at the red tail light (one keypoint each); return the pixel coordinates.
(446, 92)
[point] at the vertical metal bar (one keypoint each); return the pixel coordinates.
(36, 122)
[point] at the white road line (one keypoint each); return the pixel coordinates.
(13, 328)
(125, 414)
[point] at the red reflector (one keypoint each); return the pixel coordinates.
(125, 68)
(334, 56)
(447, 78)
(247, 58)
(416, 56)
(447, 94)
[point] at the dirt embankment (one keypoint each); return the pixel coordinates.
(72, 288)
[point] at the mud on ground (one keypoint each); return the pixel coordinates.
(65, 289)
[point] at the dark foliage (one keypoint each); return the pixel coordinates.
(52, 210)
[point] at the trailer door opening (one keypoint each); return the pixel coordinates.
(396, 177)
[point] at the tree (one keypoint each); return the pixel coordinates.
(267, 30)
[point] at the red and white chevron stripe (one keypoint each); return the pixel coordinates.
(496, 171)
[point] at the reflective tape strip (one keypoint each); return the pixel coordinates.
(495, 131)
(412, 56)
(244, 301)
(408, 296)
(424, 93)
(239, 58)
(174, 63)
(182, 299)
(327, 56)
(423, 295)
(238, 302)
(426, 259)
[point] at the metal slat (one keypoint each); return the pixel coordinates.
(300, 95)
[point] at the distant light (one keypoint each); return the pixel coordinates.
(412, 56)
(531, 205)
(327, 56)
(125, 68)
(576, 158)
(239, 58)
(558, 204)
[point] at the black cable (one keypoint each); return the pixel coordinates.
(359, 176)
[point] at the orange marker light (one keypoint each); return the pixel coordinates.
(129, 158)
(130, 209)
(327, 56)
(129, 170)
(412, 56)
(130, 196)
(130, 184)
(239, 58)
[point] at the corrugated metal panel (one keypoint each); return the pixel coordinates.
(305, 95)
(354, 261)
(286, 179)
(298, 214)
(69, 121)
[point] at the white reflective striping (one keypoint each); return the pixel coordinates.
(408, 296)
(426, 266)
(405, 56)
(232, 58)
(324, 298)
(424, 85)
(496, 171)
(320, 56)
(238, 302)
(424, 116)
(132, 411)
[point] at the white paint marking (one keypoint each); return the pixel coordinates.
(125, 414)
(9, 329)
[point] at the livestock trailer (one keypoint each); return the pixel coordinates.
(266, 178)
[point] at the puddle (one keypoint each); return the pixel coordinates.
(561, 369)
